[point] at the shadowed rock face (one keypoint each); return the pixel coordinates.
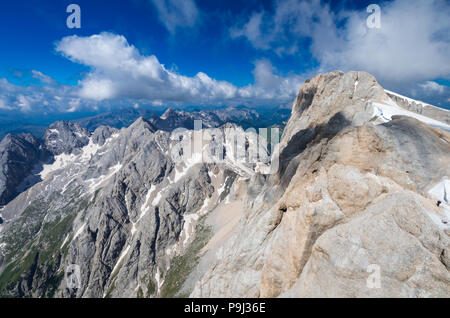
(351, 191)
(19, 154)
(304, 138)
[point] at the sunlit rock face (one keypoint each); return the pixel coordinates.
(351, 198)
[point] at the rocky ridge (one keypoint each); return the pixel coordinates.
(352, 192)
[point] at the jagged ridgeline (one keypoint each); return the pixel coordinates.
(360, 187)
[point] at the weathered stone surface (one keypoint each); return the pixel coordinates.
(65, 137)
(353, 194)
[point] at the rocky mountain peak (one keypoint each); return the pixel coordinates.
(65, 137)
(170, 112)
(142, 123)
(322, 97)
(102, 133)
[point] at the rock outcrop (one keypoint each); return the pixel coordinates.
(350, 198)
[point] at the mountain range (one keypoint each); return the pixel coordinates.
(355, 204)
(124, 117)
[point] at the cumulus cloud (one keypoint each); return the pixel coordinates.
(252, 30)
(268, 85)
(432, 87)
(120, 76)
(176, 13)
(47, 98)
(433, 93)
(120, 71)
(284, 30)
(411, 46)
(4, 106)
(45, 79)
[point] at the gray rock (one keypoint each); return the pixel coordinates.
(102, 133)
(19, 155)
(65, 137)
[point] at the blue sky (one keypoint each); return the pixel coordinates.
(205, 52)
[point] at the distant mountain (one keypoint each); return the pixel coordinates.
(117, 118)
(173, 118)
(215, 117)
(210, 118)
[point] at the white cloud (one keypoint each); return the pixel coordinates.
(45, 79)
(176, 13)
(291, 21)
(411, 46)
(48, 98)
(120, 76)
(432, 87)
(23, 103)
(74, 105)
(4, 106)
(120, 71)
(270, 86)
(252, 31)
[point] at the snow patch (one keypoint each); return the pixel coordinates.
(121, 257)
(171, 250)
(159, 280)
(61, 161)
(441, 192)
(222, 187)
(385, 111)
(96, 182)
(190, 221)
(133, 229)
(157, 199)
(89, 150)
(442, 222)
(79, 231)
(189, 163)
(65, 240)
(144, 208)
(410, 101)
